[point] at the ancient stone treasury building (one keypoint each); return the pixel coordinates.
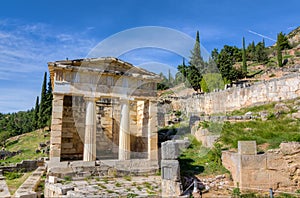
(103, 109)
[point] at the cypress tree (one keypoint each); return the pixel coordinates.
(42, 116)
(196, 58)
(49, 98)
(36, 113)
(278, 47)
(196, 67)
(244, 57)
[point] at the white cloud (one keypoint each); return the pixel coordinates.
(261, 35)
(16, 99)
(25, 51)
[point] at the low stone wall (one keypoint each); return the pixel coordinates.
(278, 169)
(113, 168)
(284, 88)
(25, 165)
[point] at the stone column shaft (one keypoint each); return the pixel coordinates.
(124, 135)
(152, 131)
(56, 127)
(89, 153)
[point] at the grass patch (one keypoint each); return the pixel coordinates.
(102, 186)
(197, 160)
(127, 178)
(105, 180)
(255, 109)
(148, 185)
(273, 132)
(14, 180)
(166, 93)
(13, 175)
(110, 191)
(131, 195)
(28, 143)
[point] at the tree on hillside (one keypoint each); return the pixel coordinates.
(196, 59)
(170, 78)
(49, 98)
(244, 67)
(283, 41)
(214, 54)
(196, 66)
(260, 52)
(164, 83)
(251, 51)
(281, 44)
(228, 56)
(194, 77)
(42, 121)
(36, 113)
(279, 48)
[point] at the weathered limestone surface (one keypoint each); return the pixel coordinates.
(90, 131)
(170, 150)
(247, 147)
(171, 183)
(152, 131)
(56, 127)
(4, 192)
(278, 169)
(284, 88)
(103, 108)
(203, 135)
(124, 140)
(73, 127)
(28, 188)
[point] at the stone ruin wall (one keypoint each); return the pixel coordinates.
(278, 168)
(72, 134)
(284, 88)
(108, 114)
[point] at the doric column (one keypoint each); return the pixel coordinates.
(56, 127)
(124, 135)
(89, 153)
(152, 131)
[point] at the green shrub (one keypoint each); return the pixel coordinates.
(68, 178)
(178, 113)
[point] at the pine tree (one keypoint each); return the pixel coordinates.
(36, 114)
(244, 57)
(43, 105)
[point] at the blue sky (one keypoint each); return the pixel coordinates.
(34, 32)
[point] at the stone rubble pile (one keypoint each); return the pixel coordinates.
(214, 183)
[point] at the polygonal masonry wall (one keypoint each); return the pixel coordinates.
(103, 108)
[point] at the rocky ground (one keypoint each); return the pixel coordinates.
(127, 186)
